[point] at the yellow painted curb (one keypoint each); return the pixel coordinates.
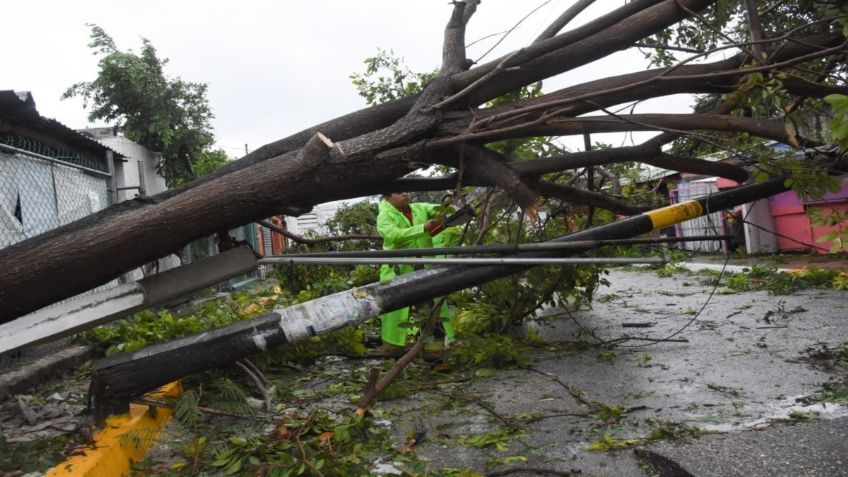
(123, 439)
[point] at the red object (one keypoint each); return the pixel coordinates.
(278, 242)
(723, 183)
(793, 224)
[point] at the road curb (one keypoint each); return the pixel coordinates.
(124, 439)
(18, 381)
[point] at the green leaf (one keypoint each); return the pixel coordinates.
(234, 467)
(223, 460)
(837, 101)
(839, 130)
(827, 237)
(485, 372)
(342, 433)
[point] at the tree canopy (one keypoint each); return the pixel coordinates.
(166, 115)
(775, 69)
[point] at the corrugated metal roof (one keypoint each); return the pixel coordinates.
(20, 107)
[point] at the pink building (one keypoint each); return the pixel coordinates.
(793, 224)
(785, 214)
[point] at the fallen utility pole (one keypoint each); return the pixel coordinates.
(507, 261)
(503, 248)
(119, 378)
(87, 311)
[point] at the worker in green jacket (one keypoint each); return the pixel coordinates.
(404, 225)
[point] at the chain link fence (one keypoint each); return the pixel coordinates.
(47, 188)
(708, 224)
(38, 195)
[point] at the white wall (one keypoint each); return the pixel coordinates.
(315, 219)
(126, 173)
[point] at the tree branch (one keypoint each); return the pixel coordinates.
(563, 20)
(470, 8)
(681, 78)
(647, 154)
(486, 166)
(614, 31)
(585, 197)
(315, 241)
(756, 30)
(550, 125)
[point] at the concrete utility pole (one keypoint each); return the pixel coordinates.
(119, 378)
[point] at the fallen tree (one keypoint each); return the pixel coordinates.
(118, 379)
(369, 151)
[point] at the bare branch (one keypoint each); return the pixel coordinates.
(580, 46)
(315, 241)
(713, 77)
(453, 47)
(554, 126)
(756, 30)
(657, 46)
(585, 197)
(645, 153)
(580, 159)
(470, 8)
(487, 166)
(511, 29)
(563, 20)
(468, 89)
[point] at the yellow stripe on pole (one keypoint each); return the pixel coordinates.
(675, 213)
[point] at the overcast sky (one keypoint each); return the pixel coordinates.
(273, 67)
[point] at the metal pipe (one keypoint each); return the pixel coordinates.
(278, 260)
(55, 161)
(504, 248)
(142, 190)
(112, 183)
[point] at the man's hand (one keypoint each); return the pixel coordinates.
(433, 227)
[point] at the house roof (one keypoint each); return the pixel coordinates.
(19, 106)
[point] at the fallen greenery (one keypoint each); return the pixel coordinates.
(227, 430)
(763, 278)
(38, 455)
(304, 433)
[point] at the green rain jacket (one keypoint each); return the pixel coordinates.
(398, 233)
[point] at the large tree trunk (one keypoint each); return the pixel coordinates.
(372, 148)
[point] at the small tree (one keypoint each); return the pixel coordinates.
(164, 114)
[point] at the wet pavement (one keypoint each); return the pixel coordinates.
(745, 373)
(748, 389)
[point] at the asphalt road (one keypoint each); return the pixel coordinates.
(745, 377)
